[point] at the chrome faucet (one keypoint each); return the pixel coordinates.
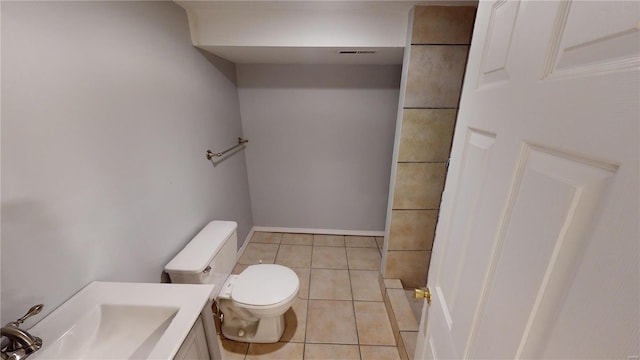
(18, 343)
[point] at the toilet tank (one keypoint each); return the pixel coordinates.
(208, 258)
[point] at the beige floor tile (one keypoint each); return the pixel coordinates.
(331, 321)
(365, 285)
(277, 351)
(410, 340)
(328, 240)
(379, 353)
(380, 242)
(329, 257)
(257, 252)
(374, 327)
(266, 237)
(303, 276)
(331, 352)
(295, 320)
(294, 256)
(239, 268)
(297, 239)
(402, 310)
(232, 350)
(360, 241)
(363, 258)
(328, 284)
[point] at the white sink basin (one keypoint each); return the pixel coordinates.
(121, 321)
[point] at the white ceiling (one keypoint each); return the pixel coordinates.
(303, 31)
(305, 55)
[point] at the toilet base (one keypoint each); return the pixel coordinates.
(265, 330)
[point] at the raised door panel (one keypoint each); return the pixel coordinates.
(453, 275)
(585, 41)
(498, 42)
(552, 204)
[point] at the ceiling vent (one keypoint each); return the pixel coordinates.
(356, 52)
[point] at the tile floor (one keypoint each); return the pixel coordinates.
(339, 313)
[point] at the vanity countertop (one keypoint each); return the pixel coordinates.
(122, 320)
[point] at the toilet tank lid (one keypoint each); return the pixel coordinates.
(199, 252)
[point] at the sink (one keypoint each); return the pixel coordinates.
(121, 321)
(113, 332)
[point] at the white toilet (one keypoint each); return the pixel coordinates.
(253, 303)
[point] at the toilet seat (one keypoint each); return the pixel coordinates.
(265, 285)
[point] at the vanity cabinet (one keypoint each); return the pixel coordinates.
(195, 345)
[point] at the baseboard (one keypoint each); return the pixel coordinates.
(317, 231)
(245, 243)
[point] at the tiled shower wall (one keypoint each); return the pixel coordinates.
(439, 43)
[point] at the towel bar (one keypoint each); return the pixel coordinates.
(211, 154)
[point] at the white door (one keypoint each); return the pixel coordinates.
(537, 248)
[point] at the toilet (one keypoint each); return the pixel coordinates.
(252, 303)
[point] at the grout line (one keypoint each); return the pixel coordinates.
(277, 251)
(310, 266)
(353, 295)
(355, 319)
(306, 323)
(353, 304)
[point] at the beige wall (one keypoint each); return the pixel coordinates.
(438, 48)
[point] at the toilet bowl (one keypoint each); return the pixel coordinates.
(252, 303)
